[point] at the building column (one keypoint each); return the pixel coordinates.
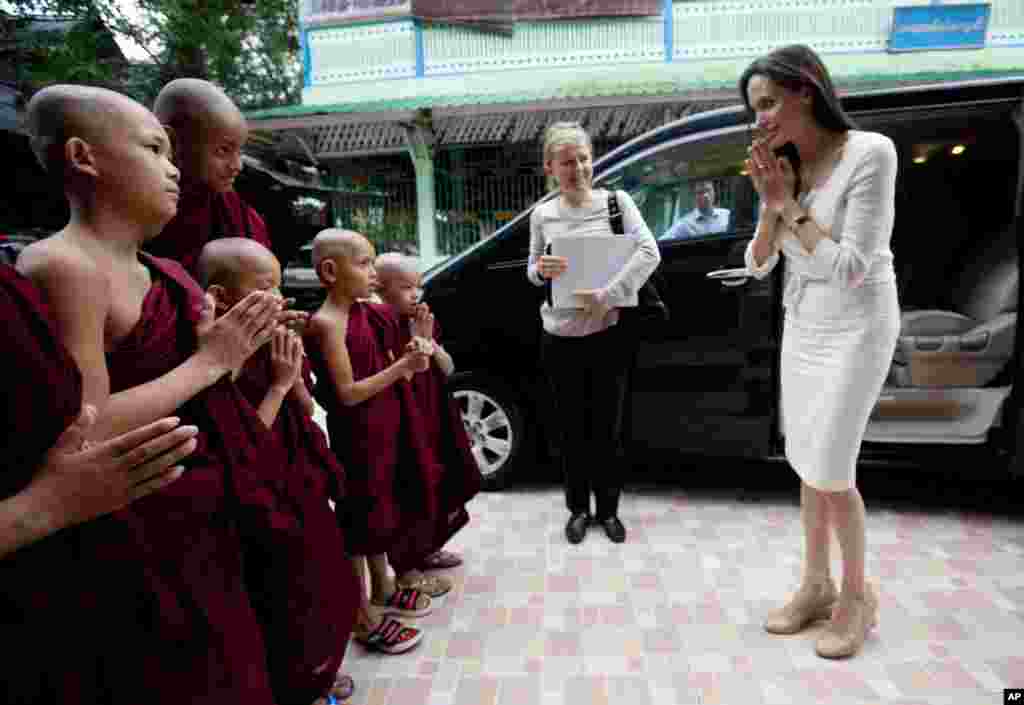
(420, 146)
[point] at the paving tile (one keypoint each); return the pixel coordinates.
(674, 615)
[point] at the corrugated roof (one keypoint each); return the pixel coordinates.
(363, 137)
(602, 123)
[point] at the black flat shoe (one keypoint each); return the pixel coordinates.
(614, 529)
(576, 529)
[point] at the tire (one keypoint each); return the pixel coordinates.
(494, 424)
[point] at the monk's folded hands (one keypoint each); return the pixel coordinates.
(81, 484)
(230, 340)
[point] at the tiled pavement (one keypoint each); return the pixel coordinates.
(674, 615)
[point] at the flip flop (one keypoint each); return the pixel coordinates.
(403, 603)
(441, 560)
(389, 637)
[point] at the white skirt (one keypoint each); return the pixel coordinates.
(837, 346)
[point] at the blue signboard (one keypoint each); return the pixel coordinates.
(925, 27)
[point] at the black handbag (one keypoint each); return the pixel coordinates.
(651, 310)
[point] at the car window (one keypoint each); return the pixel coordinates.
(695, 190)
(303, 259)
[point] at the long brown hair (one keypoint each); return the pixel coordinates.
(794, 67)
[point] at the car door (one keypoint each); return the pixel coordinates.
(706, 382)
(486, 297)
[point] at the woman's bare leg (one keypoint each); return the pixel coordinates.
(814, 514)
(857, 608)
(814, 599)
(848, 518)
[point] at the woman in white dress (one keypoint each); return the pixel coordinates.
(832, 220)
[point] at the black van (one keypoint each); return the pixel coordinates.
(708, 382)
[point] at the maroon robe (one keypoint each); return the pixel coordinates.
(460, 477)
(379, 441)
(42, 622)
(185, 625)
(203, 217)
(304, 590)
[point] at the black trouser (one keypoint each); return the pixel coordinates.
(588, 377)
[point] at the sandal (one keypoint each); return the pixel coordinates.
(403, 602)
(433, 585)
(441, 560)
(343, 688)
(389, 637)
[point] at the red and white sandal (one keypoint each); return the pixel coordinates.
(403, 602)
(390, 636)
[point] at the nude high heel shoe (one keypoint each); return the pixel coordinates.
(811, 603)
(844, 640)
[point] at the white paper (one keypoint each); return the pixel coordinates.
(593, 261)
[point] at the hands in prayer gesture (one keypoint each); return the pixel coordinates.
(79, 481)
(773, 176)
(286, 353)
(423, 322)
(292, 319)
(227, 342)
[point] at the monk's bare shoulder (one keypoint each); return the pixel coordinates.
(326, 321)
(55, 263)
(315, 325)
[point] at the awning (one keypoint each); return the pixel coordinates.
(291, 182)
(353, 139)
(601, 123)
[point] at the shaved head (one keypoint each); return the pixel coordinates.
(188, 104)
(208, 131)
(335, 242)
(225, 260)
(395, 264)
(61, 112)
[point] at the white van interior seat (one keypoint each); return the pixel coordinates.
(975, 336)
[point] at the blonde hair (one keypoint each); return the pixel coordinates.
(559, 133)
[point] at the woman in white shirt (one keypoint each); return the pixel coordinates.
(585, 354)
(842, 317)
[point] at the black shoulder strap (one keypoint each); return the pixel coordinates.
(547, 282)
(614, 214)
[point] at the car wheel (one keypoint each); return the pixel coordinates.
(494, 424)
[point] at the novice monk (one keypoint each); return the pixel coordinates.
(177, 623)
(304, 591)
(208, 133)
(399, 285)
(49, 485)
(361, 372)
